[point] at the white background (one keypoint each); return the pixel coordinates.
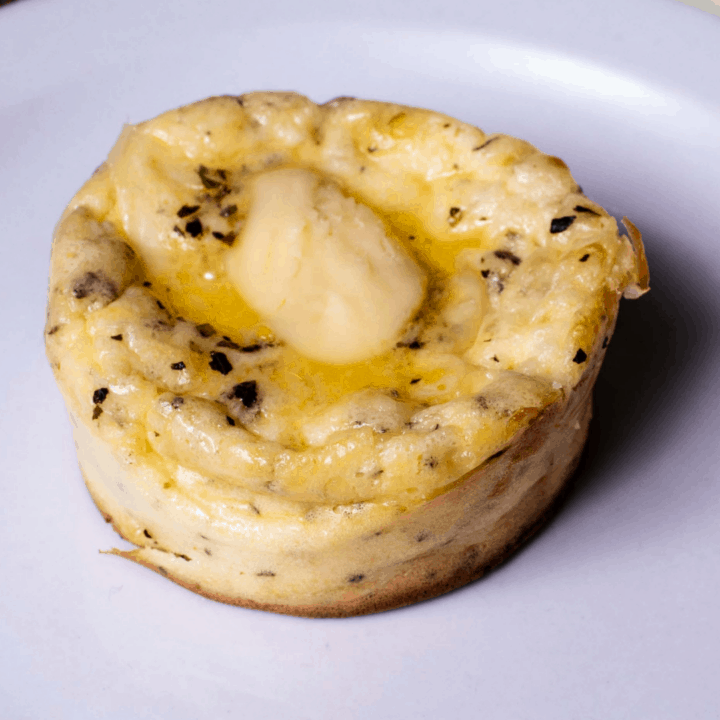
(612, 611)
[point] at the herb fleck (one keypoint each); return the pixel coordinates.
(582, 209)
(496, 455)
(207, 182)
(561, 224)
(228, 344)
(455, 215)
(220, 363)
(228, 239)
(94, 283)
(507, 255)
(194, 227)
(187, 210)
(246, 392)
(206, 330)
(485, 144)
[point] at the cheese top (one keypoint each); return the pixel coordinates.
(286, 304)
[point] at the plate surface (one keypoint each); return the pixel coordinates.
(612, 611)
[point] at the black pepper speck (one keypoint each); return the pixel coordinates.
(99, 395)
(580, 357)
(178, 365)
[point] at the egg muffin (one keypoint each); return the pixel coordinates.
(328, 360)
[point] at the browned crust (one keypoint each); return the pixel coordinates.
(466, 570)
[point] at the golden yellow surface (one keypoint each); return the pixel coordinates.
(509, 302)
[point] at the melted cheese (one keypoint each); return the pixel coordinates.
(511, 308)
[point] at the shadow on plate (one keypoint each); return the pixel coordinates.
(660, 361)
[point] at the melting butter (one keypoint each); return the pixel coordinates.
(321, 270)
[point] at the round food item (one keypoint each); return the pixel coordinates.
(328, 360)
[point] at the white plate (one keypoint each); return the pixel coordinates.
(612, 612)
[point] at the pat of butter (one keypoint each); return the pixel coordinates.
(321, 271)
